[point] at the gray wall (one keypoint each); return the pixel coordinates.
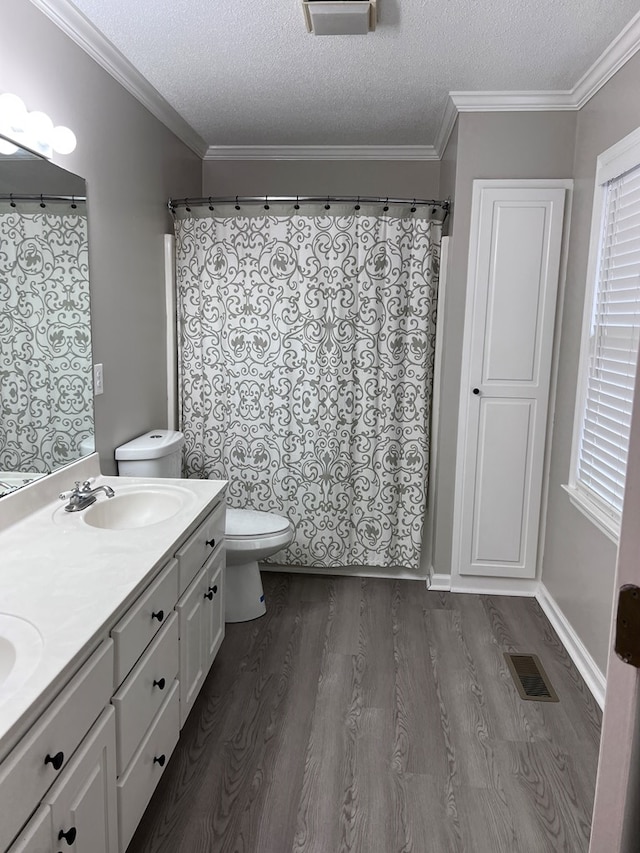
(392, 178)
(132, 163)
(489, 145)
(579, 561)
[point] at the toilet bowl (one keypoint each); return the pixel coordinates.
(250, 535)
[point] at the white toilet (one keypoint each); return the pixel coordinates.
(250, 535)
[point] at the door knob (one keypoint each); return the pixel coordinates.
(476, 390)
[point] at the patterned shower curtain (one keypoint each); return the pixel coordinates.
(46, 391)
(306, 369)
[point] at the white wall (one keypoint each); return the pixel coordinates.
(489, 145)
(392, 178)
(132, 163)
(579, 561)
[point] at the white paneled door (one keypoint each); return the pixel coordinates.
(514, 266)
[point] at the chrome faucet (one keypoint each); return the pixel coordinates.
(83, 495)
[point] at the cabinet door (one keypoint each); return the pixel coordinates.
(514, 262)
(214, 607)
(194, 663)
(83, 801)
(37, 836)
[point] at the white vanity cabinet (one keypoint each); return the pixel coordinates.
(83, 800)
(201, 614)
(43, 755)
(82, 776)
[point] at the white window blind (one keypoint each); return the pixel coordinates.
(613, 348)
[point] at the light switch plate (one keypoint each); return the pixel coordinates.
(98, 380)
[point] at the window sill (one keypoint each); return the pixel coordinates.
(609, 526)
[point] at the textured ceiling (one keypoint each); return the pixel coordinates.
(248, 73)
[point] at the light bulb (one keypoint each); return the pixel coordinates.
(12, 107)
(39, 129)
(7, 147)
(63, 140)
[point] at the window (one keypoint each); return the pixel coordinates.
(611, 336)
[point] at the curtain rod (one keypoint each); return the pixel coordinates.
(295, 199)
(41, 197)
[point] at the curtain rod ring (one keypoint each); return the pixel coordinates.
(296, 206)
(210, 204)
(357, 207)
(186, 205)
(237, 205)
(42, 204)
(386, 205)
(73, 203)
(327, 205)
(11, 201)
(266, 203)
(413, 209)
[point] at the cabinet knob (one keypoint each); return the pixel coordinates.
(209, 595)
(69, 836)
(159, 615)
(159, 759)
(56, 761)
(159, 683)
(476, 391)
(211, 542)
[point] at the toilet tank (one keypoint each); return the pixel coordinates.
(157, 453)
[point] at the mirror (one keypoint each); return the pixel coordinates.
(46, 382)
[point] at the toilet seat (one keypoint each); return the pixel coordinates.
(251, 523)
(254, 535)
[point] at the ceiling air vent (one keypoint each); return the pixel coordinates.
(339, 17)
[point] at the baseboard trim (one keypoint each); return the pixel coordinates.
(347, 571)
(438, 582)
(585, 664)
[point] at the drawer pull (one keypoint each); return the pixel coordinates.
(159, 683)
(159, 615)
(211, 542)
(159, 759)
(209, 595)
(56, 761)
(69, 836)
(213, 588)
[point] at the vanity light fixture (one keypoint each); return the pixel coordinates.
(33, 130)
(339, 17)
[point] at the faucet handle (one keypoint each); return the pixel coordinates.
(65, 495)
(86, 486)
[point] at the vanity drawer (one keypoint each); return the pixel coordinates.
(26, 774)
(143, 774)
(37, 834)
(196, 551)
(140, 697)
(135, 631)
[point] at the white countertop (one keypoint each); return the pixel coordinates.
(71, 581)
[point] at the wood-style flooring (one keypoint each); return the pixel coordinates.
(373, 716)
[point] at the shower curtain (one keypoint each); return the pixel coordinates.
(306, 368)
(46, 391)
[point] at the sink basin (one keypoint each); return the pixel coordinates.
(136, 508)
(20, 651)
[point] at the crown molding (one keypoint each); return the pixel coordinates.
(613, 57)
(322, 152)
(446, 127)
(492, 102)
(74, 24)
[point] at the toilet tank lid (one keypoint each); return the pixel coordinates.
(151, 445)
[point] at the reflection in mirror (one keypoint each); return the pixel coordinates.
(46, 389)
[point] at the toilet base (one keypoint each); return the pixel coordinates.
(244, 598)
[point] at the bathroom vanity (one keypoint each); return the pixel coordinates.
(110, 619)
